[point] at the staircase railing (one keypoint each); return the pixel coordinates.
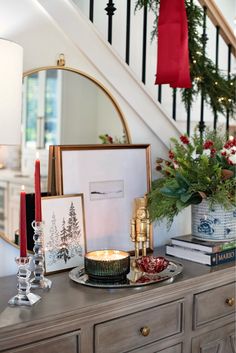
(221, 29)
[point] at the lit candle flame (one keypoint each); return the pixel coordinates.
(37, 155)
(22, 187)
(107, 255)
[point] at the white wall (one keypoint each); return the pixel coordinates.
(228, 9)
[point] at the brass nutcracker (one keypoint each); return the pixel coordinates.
(140, 226)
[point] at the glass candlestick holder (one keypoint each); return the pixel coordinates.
(39, 281)
(24, 296)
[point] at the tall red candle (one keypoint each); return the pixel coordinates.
(38, 211)
(23, 232)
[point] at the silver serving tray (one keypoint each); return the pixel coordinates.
(135, 278)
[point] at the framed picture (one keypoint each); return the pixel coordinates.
(64, 232)
(110, 177)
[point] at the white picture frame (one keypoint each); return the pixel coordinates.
(63, 232)
(110, 177)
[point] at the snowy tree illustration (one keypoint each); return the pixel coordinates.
(74, 232)
(54, 241)
(63, 252)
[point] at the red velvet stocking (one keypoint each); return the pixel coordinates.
(173, 54)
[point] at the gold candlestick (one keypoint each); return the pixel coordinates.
(140, 226)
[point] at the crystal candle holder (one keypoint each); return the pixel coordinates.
(39, 281)
(24, 296)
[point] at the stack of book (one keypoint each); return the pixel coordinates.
(208, 253)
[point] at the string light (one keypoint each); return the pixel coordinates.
(216, 83)
(198, 79)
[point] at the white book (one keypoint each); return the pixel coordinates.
(188, 254)
(201, 257)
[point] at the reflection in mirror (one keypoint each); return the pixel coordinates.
(60, 106)
(65, 107)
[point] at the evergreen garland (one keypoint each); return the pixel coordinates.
(217, 88)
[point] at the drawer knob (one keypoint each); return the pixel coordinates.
(230, 301)
(145, 331)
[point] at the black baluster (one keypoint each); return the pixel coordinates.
(201, 125)
(127, 51)
(91, 8)
(174, 104)
(159, 93)
(110, 9)
(144, 44)
(189, 103)
(217, 64)
(188, 117)
(229, 69)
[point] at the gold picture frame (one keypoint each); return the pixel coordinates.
(110, 177)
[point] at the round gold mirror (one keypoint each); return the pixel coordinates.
(66, 106)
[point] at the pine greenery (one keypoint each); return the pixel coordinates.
(199, 168)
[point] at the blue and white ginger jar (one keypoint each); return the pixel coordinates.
(216, 224)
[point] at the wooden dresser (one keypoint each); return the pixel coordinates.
(195, 314)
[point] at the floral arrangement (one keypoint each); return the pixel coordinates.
(108, 139)
(198, 168)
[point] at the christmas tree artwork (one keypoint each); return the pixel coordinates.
(64, 242)
(64, 238)
(54, 243)
(64, 251)
(74, 232)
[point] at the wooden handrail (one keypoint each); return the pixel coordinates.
(218, 19)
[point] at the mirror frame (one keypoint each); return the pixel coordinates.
(96, 82)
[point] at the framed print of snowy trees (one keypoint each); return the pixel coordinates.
(64, 232)
(110, 178)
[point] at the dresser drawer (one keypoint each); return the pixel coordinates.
(135, 330)
(67, 343)
(214, 304)
(154, 348)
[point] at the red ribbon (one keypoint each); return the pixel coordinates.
(172, 52)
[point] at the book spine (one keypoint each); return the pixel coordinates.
(223, 247)
(223, 257)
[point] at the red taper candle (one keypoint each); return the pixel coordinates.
(23, 232)
(38, 211)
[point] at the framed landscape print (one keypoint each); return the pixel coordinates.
(110, 178)
(64, 232)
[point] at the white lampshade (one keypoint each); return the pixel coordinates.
(11, 65)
